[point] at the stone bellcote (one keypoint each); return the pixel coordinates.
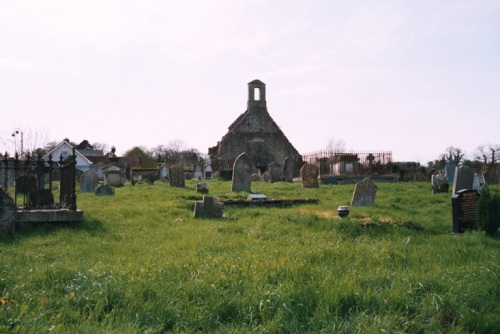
(256, 95)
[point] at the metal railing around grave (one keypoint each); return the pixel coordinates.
(30, 176)
(350, 163)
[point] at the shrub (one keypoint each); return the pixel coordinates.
(488, 214)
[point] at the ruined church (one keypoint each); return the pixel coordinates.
(255, 133)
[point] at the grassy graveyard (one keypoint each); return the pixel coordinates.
(140, 262)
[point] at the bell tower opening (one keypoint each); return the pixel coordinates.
(256, 94)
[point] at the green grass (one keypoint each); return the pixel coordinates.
(141, 263)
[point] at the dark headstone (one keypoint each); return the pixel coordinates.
(288, 169)
(464, 209)
(309, 175)
(274, 172)
(242, 173)
(464, 178)
(7, 213)
(364, 193)
(105, 190)
(208, 208)
(39, 198)
(176, 176)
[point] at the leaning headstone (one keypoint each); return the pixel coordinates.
(274, 172)
(88, 181)
(450, 171)
(464, 178)
(202, 188)
(176, 176)
(309, 175)
(439, 183)
(105, 190)
(208, 208)
(7, 213)
(478, 183)
(464, 209)
(288, 169)
(364, 193)
(242, 173)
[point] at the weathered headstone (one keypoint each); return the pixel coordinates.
(439, 183)
(202, 188)
(105, 190)
(288, 169)
(88, 181)
(176, 176)
(309, 175)
(464, 178)
(208, 208)
(274, 172)
(464, 209)
(450, 171)
(478, 183)
(7, 213)
(242, 173)
(364, 193)
(266, 177)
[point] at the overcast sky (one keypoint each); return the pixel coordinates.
(411, 77)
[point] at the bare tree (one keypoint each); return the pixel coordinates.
(454, 154)
(488, 154)
(25, 140)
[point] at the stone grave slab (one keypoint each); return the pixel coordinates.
(88, 181)
(208, 208)
(364, 193)
(288, 169)
(309, 175)
(105, 190)
(176, 176)
(242, 173)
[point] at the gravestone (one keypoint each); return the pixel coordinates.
(208, 208)
(309, 175)
(478, 183)
(105, 190)
(439, 183)
(266, 177)
(364, 193)
(198, 172)
(7, 213)
(41, 198)
(464, 209)
(88, 181)
(464, 178)
(242, 173)
(176, 176)
(450, 171)
(288, 169)
(274, 172)
(202, 188)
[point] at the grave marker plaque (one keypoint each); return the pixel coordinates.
(464, 209)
